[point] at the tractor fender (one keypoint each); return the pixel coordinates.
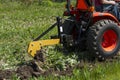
(100, 16)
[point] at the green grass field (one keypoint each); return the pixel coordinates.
(20, 24)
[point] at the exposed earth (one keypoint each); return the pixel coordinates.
(30, 69)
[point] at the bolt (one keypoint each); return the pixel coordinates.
(30, 51)
(32, 45)
(97, 53)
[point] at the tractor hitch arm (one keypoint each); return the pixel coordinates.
(45, 32)
(37, 44)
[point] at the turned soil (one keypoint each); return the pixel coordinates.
(26, 71)
(30, 69)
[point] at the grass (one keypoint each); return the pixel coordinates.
(20, 24)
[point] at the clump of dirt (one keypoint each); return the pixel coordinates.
(31, 69)
(6, 74)
(40, 55)
(26, 71)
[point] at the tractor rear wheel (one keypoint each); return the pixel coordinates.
(103, 39)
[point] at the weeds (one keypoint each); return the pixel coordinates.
(20, 24)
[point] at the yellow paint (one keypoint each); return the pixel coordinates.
(36, 45)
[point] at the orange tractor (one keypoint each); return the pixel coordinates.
(98, 32)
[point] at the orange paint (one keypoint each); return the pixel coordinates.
(82, 5)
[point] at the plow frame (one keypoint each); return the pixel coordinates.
(37, 44)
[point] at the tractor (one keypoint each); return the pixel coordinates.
(97, 32)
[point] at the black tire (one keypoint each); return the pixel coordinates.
(100, 43)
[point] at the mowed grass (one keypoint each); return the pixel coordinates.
(20, 24)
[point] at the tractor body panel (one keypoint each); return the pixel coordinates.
(100, 16)
(82, 5)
